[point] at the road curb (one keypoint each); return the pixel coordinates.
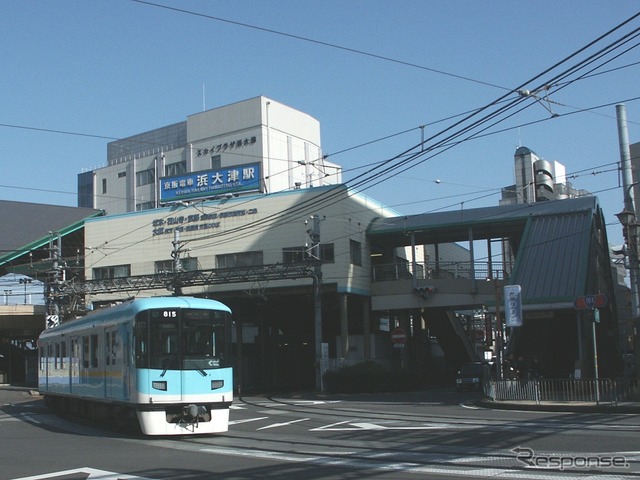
(572, 407)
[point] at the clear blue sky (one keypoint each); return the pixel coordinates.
(101, 70)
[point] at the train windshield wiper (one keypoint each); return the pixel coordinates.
(169, 363)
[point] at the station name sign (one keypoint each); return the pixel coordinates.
(210, 183)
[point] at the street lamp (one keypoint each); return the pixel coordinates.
(25, 281)
(630, 231)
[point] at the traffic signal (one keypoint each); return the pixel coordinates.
(425, 291)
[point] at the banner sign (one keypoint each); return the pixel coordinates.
(513, 305)
(210, 183)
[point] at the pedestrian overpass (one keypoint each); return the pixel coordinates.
(556, 251)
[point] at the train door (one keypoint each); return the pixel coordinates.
(44, 367)
(112, 371)
(74, 364)
(124, 355)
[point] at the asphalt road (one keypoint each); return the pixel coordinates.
(437, 434)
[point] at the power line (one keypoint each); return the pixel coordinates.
(370, 178)
(320, 42)
(409, 158)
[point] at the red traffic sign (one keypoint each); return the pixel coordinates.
(398, 335)
(589, 302)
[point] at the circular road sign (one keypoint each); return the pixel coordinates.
(398, 335)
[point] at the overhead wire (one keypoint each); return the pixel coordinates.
(369, 177)
(320, 42)
(487, 117)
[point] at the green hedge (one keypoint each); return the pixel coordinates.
(368, 377)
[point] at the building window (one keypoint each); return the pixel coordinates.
(189, 264)
(145, 177)
(244, 259)
(104, 186)
(145, 206)
(294, 254)
(299, 254)
(216, 162)
(122, 174)
(326, 252)
(174, 169)
(117, 271)
(355, 249)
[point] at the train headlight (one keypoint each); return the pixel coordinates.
(159, 385)
(215, 384)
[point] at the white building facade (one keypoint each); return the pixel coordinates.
(275, 318)
(276, 147)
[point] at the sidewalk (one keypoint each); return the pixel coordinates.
(11, 394)
(575, 407)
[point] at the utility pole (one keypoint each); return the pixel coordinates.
(55, 278)
(629, 222)
(177, 262)
(313, 252)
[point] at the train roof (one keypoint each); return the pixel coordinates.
(132, 307)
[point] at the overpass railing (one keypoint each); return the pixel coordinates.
(601, 392)
(438, 270)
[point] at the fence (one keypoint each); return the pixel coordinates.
(439, 270)
(602, 391)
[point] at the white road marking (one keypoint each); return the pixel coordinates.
(246, 420)
(30, 419)
(284, 424)
(408, 467)
(92, 474)
(351, 426)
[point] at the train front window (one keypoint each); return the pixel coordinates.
(183, 339)
(205, 339)
(163, 340)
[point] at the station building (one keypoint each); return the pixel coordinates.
(275, 318)
(239, 194)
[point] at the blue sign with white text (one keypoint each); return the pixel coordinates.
(210, 183)
(513, 306)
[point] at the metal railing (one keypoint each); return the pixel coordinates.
(601, 392)
(437, 270)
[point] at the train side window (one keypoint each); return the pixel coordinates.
(75, 352)
(108, 343)
(42, 359)
(85, 352)
(63, 353)
(94, 351)
(111, 347)
(114, 347)
(56, 357)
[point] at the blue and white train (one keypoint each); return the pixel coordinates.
(163, 361)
